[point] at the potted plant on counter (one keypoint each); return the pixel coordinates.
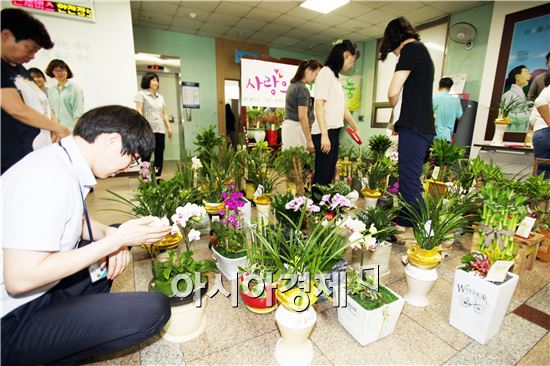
(379, 145)
(229, 240)
(371, 310)
(434, 221)
(506, 108)
(377, 176)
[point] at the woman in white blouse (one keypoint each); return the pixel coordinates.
(150, 104)
(331, 110)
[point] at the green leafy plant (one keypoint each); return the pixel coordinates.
(229, 237)
(502, 211)
(379, 144)
(437, 218)
(339, 187)
(207, 142)
(381, 217)
(284, 164)
(155, 198)
(445, 155)
(219, 172)
(508, 106)
(361, 290)
(171, 263)
(259, 162)
(377, 173)
(278, 203)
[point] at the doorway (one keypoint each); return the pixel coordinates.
(168, 71)
(232, 93)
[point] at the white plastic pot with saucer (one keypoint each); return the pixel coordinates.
(186, 322)
(381, 256)
(420, 282)
(229, 267)
(353, 196)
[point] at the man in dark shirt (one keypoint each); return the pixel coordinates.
(414, 75)
(22, 36)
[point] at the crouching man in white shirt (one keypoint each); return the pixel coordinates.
(52, 312)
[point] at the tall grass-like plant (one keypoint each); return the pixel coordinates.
(436, 218)
(377, 173)
(286, 164)
(219, 172)
(207, 142)
(381, 217)
(259, 163)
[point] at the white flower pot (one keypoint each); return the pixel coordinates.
(479, 306)
(353, 196)
(368, 326)
(187, 322)
(259, 135)
(381, 256)
(498, 137)
(262, 212)
(420, 282)
(294, 347)
(229, 267)
(370, 202)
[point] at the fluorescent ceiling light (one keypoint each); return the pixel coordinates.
(323, 6)
(435, 46)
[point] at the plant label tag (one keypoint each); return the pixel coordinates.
(428, 228)
(259, 191)
(435, 173)
(96, 272)
(498, 271)
(525, 227)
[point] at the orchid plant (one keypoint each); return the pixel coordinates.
(183, 218)
(229, 236)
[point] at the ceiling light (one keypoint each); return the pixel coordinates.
(323, 6)
(435, 46)
(193, 15)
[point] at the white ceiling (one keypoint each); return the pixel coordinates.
(286, 25)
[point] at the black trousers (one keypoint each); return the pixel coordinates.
(325, 164)
(159, 153)
(78, 319)
(413, 152)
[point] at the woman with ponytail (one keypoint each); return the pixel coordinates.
(331, 110)
(298, 108)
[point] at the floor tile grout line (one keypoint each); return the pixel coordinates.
(432, 333)
(231, 346)
(536, 344)
(320, 350)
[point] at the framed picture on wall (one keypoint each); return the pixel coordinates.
(522, 57)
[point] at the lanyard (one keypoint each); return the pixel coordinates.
(87, 217)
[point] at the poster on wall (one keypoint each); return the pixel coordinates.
(190, 94)
(71, 9)
(264, 83)
(352, 91)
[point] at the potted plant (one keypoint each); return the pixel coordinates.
(304, 257)
(294, 163)
(506, 108)
(159, 199)
(339, 187)
(262, 178)
(478, 305)
(377, 174)
(372, 310)
(179, 270)
(434, 221)
(229, 240)
(444, 155)
(379, 218)
(379, 145)
(179, 276)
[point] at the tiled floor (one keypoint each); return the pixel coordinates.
(235, 336)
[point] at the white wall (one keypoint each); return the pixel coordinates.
(500, 10)
(100, 54)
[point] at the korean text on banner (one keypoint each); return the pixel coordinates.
(265, 83)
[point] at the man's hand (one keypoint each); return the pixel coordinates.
(118, 261)
(138, 231)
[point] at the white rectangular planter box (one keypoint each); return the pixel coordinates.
(478, 306)
(368, 326)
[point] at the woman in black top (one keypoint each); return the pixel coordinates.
(413, 76)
